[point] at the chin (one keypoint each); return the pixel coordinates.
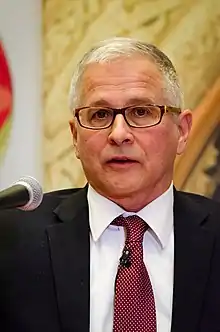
(119, 190)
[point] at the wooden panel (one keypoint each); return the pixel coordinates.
(205, 119)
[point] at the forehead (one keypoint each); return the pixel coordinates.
(121, 80)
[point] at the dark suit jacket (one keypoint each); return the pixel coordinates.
(45, 264)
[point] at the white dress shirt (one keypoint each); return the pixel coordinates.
(106, 245)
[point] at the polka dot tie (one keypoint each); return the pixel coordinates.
(134, 306)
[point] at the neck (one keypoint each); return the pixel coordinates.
(135, 201)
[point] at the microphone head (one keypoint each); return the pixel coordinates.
(35, 192)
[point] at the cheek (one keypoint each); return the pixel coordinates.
(90, 146)
(159, 145)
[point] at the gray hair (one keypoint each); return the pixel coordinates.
(113, 48)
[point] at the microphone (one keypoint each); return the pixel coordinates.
(25, 194)
(125, 260)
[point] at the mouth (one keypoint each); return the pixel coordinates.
(121, 161)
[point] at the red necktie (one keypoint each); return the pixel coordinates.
(134, 305)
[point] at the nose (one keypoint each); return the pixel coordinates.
(121, 132)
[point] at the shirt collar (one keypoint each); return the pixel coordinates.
(158, 214)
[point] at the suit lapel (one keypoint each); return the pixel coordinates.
(70, 256)
(192, 256)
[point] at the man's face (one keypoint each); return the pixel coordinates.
(148, 153)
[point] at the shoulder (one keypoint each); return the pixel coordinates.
(24, 234)
(198, 205)
(43, 214)
(199, 200)
(22, 231)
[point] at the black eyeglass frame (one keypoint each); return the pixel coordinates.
(163, 110)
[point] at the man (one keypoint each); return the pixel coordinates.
(127, 252)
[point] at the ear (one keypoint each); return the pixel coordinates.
(184, 125)
(73, 129)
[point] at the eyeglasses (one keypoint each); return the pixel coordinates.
(135, 116)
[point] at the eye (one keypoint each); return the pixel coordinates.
(100, 114)
(141, 111)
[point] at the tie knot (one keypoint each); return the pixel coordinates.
(135, 227)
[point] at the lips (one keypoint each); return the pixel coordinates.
(121, 164)
(121, 160)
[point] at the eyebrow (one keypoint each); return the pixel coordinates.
(100, 102)
(140, 101)
(132, 101)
